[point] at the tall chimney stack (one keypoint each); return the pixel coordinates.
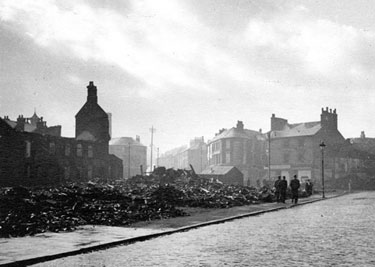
(92, 93)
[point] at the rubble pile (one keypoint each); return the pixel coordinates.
(141, 198)
(184, 188)
(24, 212)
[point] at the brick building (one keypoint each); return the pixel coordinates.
(295, 149)
(33, 154)
(132, 153)
(239, 147)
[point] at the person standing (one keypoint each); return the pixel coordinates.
(283, 186)
(295, 185)
(308, 187)
(277, 189)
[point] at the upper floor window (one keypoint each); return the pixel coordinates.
(79, 150)
(301, 156)
(286, 143)
(227, 144)
(52, 148)
(67, 149)
(216, 147)
(28, 149)
(301, 142)
(227, 157)
(286, 158)
(90, 151)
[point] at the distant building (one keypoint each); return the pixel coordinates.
(182, 157)
(132, 153)
(225, 174)
(239, 147)
(33, 154)
(295, 149)
(366, 145)
(175, 158)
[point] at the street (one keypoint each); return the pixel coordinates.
(334, 232)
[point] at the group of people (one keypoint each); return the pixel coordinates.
(281, 186)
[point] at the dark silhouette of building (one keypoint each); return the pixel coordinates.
(33, 154)
(92, 122)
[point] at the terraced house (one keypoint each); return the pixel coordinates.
(295, 149)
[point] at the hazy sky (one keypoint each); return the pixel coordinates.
(192, 67)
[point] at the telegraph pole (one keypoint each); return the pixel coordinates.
(152, 130)
(157, 158)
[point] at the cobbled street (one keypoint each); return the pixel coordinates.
(334, 232)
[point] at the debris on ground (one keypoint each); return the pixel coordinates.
(162, 194)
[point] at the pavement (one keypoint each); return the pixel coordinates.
(43, 247)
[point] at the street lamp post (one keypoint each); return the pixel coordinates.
(129, 161)
(269, 156)
(322, 146)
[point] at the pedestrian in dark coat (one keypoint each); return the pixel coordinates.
(308, 187)
(283, 185)
(294, 185)
(277, 189)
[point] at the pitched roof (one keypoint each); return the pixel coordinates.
(298, 129)
(218, 170)
(235, 133)
(364, 144)
(124, 141)
(28, 127)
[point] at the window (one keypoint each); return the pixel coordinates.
(28, 149)
(286, 158)
(79, 150)
(67, 150)
(52, 148)
(237, 153)
(89, 172)
(286, 143)
(216, 147)
(28, 171)
(227, 144)
(90, 151)
(301, 142)
(67, 172)
(227, 157)
(301, 157)
(217, 159)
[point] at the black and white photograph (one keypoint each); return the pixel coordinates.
(187, 133)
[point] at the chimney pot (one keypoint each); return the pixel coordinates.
(240, 125)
